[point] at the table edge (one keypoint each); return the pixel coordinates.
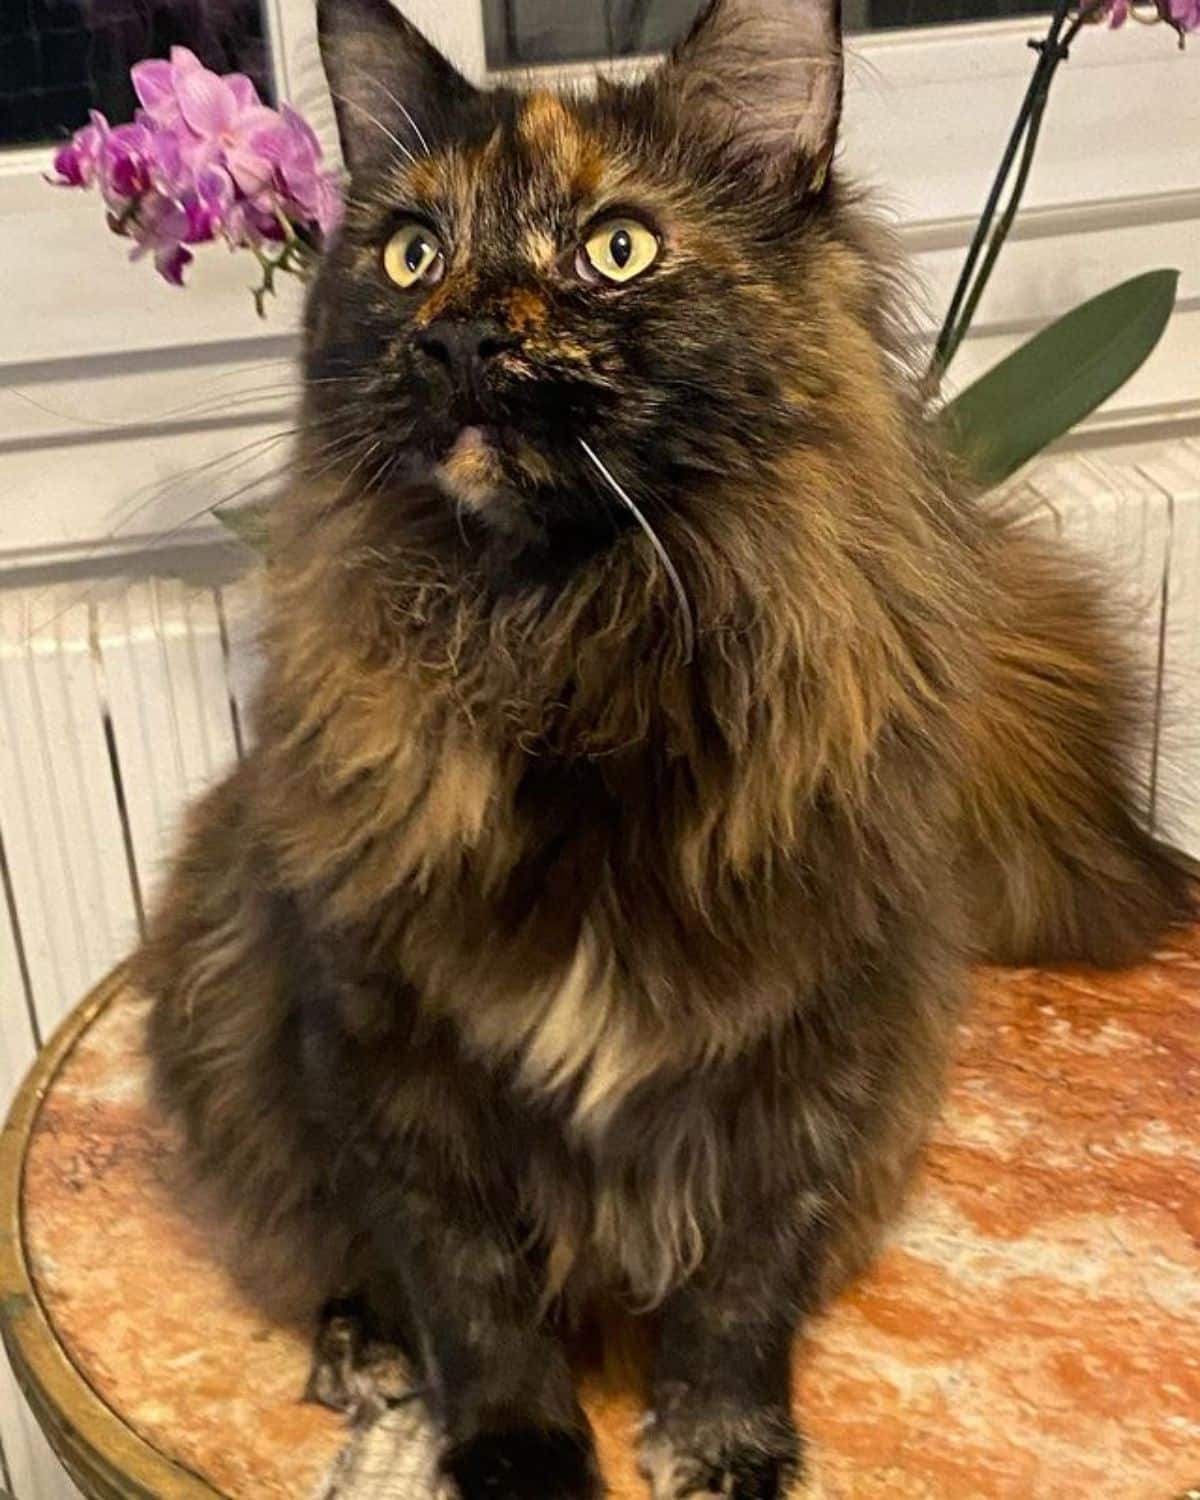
(104, 1456)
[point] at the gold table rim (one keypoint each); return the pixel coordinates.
(103, 1454)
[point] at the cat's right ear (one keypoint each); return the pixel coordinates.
(394, 93)
(768, 74)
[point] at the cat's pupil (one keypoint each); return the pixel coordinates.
(621, 248)
(414, 257)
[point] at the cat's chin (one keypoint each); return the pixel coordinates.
(472, 472)
(482, 475)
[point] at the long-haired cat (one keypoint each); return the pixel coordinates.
(651, 731)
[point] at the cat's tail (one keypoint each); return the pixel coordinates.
(1062, 866)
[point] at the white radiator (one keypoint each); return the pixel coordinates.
(114, 713)
(1141, 522)
(117, 708)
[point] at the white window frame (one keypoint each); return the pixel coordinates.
(86, 340)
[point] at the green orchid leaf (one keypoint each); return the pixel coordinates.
(248, 523)
(1045, 388)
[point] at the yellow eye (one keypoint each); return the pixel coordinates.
(620, 250)
(414, 253)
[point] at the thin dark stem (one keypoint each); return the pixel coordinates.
(1004, 228)
(295, 259)
(968, 292)
(987, 218)
(979, 239)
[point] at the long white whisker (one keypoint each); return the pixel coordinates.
(663, 556)
(400, 105)
(416, 129)
(404, 110)
(379, 125)
(76, 420)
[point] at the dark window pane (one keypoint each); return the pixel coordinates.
(882, 13)
(527, 32)
(544, 31)
(60, 58)
(18, 56)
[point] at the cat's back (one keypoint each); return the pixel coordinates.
(1061, 865)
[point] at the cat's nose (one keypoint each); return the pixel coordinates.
(465, 348)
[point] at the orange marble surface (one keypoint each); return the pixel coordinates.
(1032, 1333)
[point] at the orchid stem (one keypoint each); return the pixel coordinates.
(998, 240)
(293, 260)
(989, 238)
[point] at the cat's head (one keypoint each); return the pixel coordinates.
(644, 269)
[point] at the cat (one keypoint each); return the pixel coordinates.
(653, 729)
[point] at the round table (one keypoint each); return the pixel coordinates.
(1033, 1329)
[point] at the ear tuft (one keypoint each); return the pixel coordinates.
(770, 74)
(394, 94)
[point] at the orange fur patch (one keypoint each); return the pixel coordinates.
(527, 309)
(561, 142)
(424, 177)
(451, 297)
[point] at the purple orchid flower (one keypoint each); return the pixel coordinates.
(302, 184)
(77, 162)
(1183, 15)
(172, 262)
(125, 164)
(159, 227)
(154, 84)
(221, 121)
(209, 206)
(205, 159)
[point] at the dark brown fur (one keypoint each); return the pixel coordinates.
(527, 958)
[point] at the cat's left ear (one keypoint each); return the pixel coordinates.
(769, 74)
(394, 93)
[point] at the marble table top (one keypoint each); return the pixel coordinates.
(1031, 1333)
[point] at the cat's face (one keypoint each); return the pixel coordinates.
(523, 275)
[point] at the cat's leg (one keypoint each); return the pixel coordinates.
(721, 1420)
(429, 1156)
(499, 1385)
(395, 1448)
(814, 1180)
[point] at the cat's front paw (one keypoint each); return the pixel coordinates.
(352, 1372)
(524, 1464)
(748, 1456)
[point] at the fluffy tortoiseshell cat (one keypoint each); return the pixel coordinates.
(593, 912)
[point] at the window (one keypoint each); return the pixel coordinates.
(867, 15)
(61, 58)
(533, 32)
